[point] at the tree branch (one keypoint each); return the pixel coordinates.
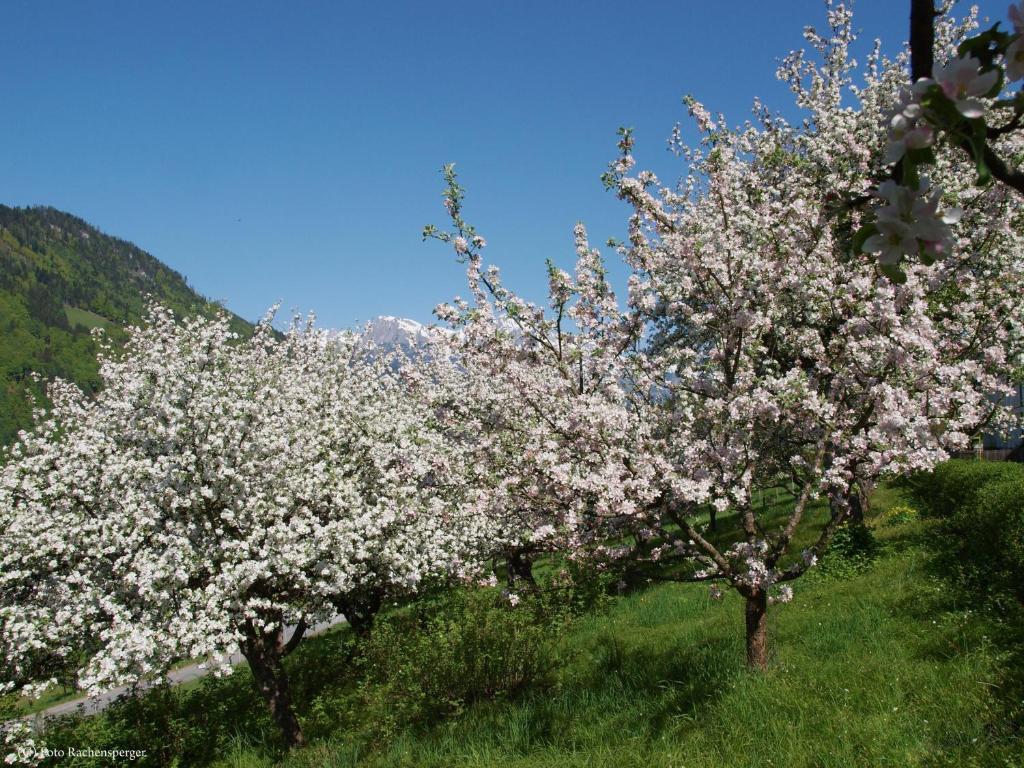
(296, 638)
(922, 38)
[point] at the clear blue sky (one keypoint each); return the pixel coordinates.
(290, 150)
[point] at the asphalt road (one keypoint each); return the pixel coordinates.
(177, 676)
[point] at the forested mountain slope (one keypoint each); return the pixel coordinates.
(59, 278)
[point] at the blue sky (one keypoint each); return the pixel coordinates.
(290, 150)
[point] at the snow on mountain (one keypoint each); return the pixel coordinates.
(386, 334)
(391, 332)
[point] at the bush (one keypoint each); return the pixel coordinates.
(573, 588)
(981, 505)
(852, 550)
(953, 485)
(990, 539)
(431, 660)
(176, 726)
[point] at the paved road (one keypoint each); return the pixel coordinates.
(91, 706)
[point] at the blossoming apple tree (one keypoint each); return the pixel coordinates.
(549, 402)
(759, 342)
(216, 491)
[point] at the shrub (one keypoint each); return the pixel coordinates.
(989, 536)
(429, 661)
(176, 726)
(852, 550)
(953, 485)
(573, 588)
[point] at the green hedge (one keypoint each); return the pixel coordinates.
(981, 505)
(954, 485)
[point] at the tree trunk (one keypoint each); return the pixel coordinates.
(865, 488)
(922, 38)
(264, 652)
(757, 626)
(519, 568)
(361, 610)
(856, 513)
(713, 519)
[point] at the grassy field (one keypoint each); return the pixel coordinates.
(880, 665)
(85, 318)
(876, 662)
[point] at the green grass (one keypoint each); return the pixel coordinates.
(876, 665)
(85, 318)
(883, 667)
(55, 694)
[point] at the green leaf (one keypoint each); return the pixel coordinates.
(894, 273)
(922, 156)
(862, 235)
(986, 46)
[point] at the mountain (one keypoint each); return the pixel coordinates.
(388, 333)
(59, 278)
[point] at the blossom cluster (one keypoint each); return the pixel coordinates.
(959, 103)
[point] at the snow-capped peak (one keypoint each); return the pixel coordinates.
(388, 331)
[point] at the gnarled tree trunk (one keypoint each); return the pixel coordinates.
(265, 652)
(756, 611)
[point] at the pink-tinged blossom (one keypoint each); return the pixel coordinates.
(906, 132)
(911, 221)
(1015, 59)
(962, 81)
(894, 240)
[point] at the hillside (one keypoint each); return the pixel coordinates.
(880, 660)
(59, 278)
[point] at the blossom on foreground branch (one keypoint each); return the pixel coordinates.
(961, 105)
